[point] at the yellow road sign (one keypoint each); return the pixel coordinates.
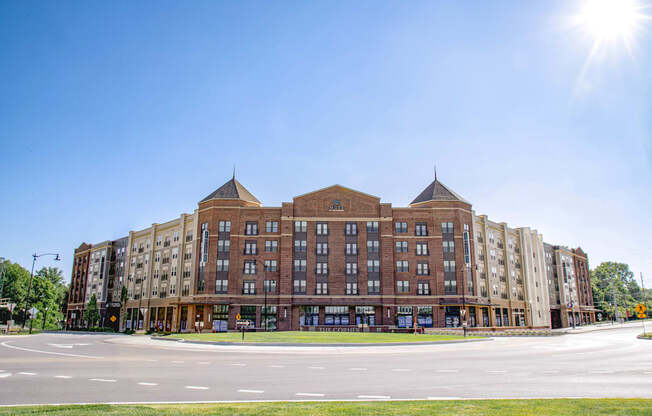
(642, 315)
(113, 318)
(640, 308)
(237, 317)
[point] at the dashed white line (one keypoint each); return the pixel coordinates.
(4, 344)
(601, 372)
(177, 362)
(358, 369)
(203, 362)
(5, 375)
(147, 384)
(496, 371)
(104, 380)
(239, 364)
(151, 361)
(401, 369)
(197, 387)
(364, 396)
(551, 372)
(66, 377)
(448, 371)
(316, 368)
(251, 391)
(25, 373)
(276, 366)
(310, 394)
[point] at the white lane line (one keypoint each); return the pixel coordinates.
(276, 366)
(197, 388)
(316, 368)
(601, 372)
(551, 372)
(239, 364)
(27, 374)
(648, 372)
(358, 369)
(203, 362)
(496, 371)
(310, 394)
(62, 377)
(177, 362)
(251, 391)
(104, 380)
(448, 371)
(401, 369)
(4, 344)
(5, 375)
(151, 361)
(60, 346)
(364, 396)
(147, 384)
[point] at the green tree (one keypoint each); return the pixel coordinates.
(611, 278)
(14, 287)
(92, 314)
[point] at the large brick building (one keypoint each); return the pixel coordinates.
(334, 258)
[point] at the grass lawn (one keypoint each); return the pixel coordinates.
(306, 337)
(555, 407)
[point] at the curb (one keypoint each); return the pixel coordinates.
(82, 333)
(645, 338)
(287, 344)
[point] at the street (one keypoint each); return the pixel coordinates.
(62, 368)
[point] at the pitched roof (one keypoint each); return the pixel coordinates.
(232, 190)
(437, 191)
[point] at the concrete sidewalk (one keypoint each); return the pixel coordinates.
(606, 326)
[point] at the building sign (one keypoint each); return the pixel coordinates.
(336, 206)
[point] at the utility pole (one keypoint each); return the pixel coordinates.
(613, 287)
(644, 300)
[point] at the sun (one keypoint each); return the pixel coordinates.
(611, 20)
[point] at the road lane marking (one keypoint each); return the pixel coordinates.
(197, 388)
(4, 344)
(648, 372)
(364, 396)
(151, 361)
(310, 394)
(276, 366)
(401, 369)
(496, 371)
(25, 373)
(444, 398)
(104, 380)
(239, 364)
(5, 375)
(251, 391)
(358, 369)
(147, 384)
(177, 362)
(448, 371)
(62, 377)
(316, 368)
(60, 346)
(551, 372)
(203, 362)
(601, 372)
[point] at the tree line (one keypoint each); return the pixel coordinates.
(614, 283)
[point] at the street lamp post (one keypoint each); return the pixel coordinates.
(265, 287)
(31, 276)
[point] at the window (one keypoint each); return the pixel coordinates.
(422, 249)
(351, 288)
(222, 265)
(176, 236)
(223, 246)
(157, 257)
(322, 228)
(186, 290)
(271, 265)
(269, 286)
(300, 226)
(158, 241)
(249, 267)
(351, 248)
(402, 266)
(372, 246)
(449, 265)
(447, 228)
(450, 287)
(221, 286)
(271, 226)
(400, 227)
(421, 229)
(373, 266)
(351, 268)
(401, 246)
(299, 246)
(299, 265)
(372, 226)
(271, 246)
(173, 290)
(402, 286)
(321, 288)
(251, 228)
(175, 253)
(351, 228)
(322, 268)
(423, 288)
(322, 248)
(249, 287)
(223, 227)
(299, 286)
(188, 239)
(423, 269)
(373, 287)
(250, 247)
(449, 246)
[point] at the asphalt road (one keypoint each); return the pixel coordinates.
(59, 368)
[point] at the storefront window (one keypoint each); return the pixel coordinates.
(365, 315)
(220, 318)
(336, 315)
(309, 316)
(248, 313)
(404, 316)
(424, 316)
(452, 316)
(269, 317)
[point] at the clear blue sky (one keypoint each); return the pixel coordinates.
(115, 115)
